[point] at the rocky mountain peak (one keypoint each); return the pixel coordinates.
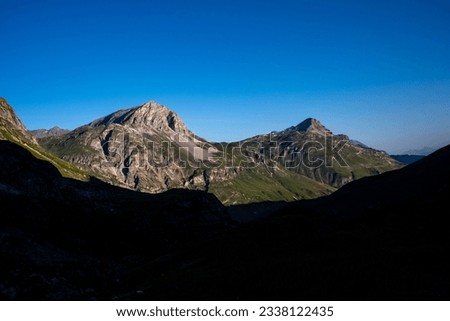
(147, 118)
(310, 125)
(152, 106)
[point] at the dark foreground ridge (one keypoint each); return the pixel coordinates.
(66, 239)
(379, 238)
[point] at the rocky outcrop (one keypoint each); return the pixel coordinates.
(150, 118)
(11, 128)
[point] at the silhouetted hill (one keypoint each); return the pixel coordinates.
(379, 238)
(423, 179)
(66, 239)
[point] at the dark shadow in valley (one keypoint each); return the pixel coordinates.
(379, 238)
(67, 239)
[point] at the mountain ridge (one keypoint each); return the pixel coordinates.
(312, 150)
(138, 136)
(150, 149)
(54, 131)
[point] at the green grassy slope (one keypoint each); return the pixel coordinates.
(253, 185)
(360, 165)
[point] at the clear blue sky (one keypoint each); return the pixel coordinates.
(378, 71)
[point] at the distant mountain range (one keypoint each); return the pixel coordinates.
(54, 131)
(424, 151)
(383, 237)
(414, 155)
(149, 148)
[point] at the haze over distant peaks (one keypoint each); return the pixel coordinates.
(424, 151)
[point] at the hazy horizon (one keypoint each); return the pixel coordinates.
(377, 72)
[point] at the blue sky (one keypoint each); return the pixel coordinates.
(378, 71)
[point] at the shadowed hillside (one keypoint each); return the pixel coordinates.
(66, 239)
(379, 238)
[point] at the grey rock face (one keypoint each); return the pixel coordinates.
(148, 118)
(145, 148)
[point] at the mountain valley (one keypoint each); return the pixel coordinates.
(76, 226)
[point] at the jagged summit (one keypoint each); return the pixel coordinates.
(150, 116)
(310, 125)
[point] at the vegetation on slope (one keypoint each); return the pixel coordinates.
(252, 186)
(65, 168)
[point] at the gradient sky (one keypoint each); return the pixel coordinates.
(378, 71)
